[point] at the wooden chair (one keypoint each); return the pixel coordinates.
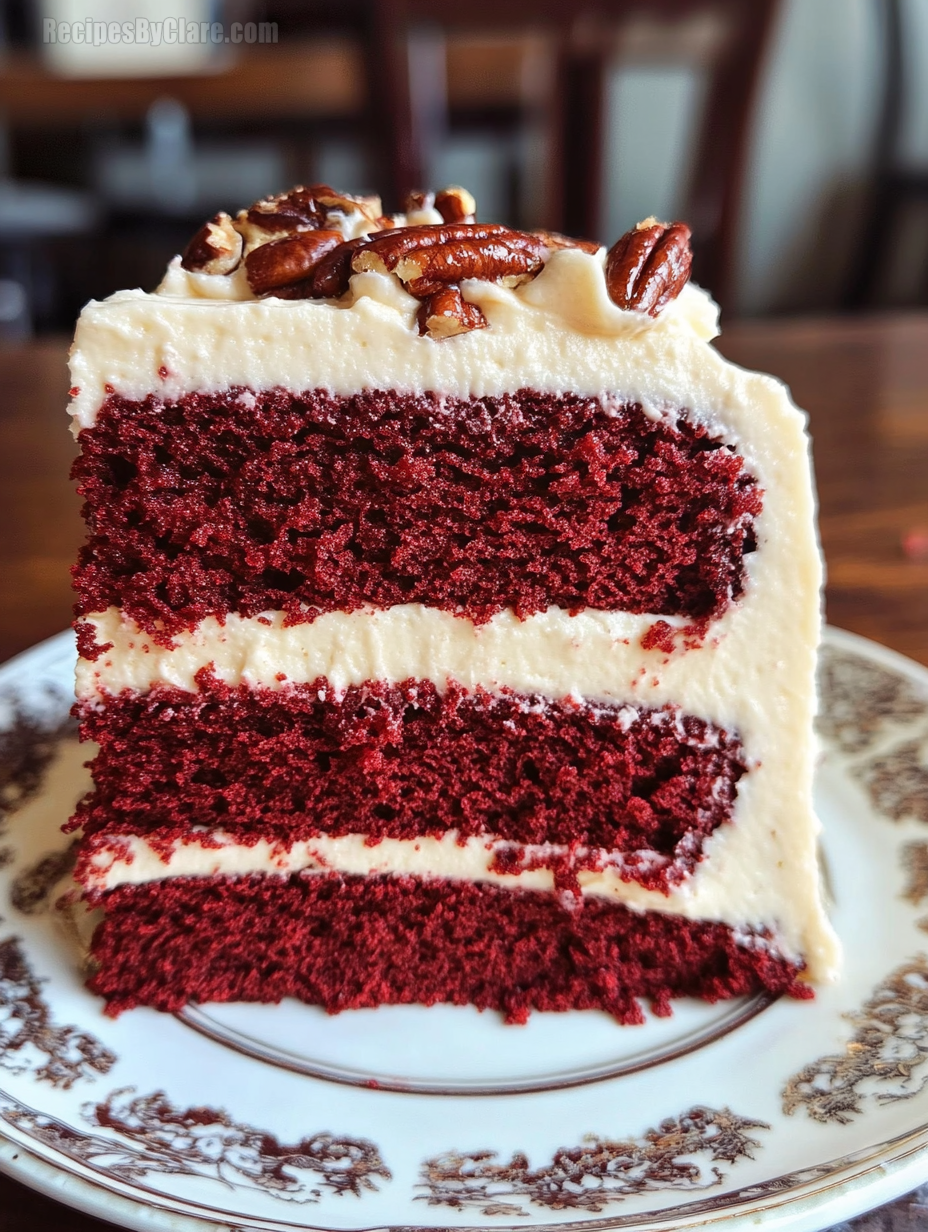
(586, 36)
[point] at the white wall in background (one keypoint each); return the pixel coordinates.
(478, 163)
(651, 116)
(343, 162)
(811, 153)
(914, 144)
(811, 150)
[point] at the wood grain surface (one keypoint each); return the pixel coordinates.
(864, 383)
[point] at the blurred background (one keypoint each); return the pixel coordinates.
(792, 134)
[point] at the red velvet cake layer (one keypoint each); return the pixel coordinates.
(401, 761)
(251, 502)
(353, 942)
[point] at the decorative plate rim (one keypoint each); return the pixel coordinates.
(903, 1163)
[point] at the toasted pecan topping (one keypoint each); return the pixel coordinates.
(456, 205)
(290, 247)
(347, 203)
(331, 275)
(446, 313)
(288, 260)
(649, 266)
(415, 200)
(302, 208)
(430, 256)
(215, 249)
(387, 251)
(289, 211)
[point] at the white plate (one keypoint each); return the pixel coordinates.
(784, 1113)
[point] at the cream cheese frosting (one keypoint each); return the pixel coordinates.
(559, 333)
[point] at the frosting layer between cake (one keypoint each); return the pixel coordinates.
(132, 859)
(724, 889)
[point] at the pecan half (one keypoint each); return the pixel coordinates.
(290, 259)
(446, 313)
(215, 249)
(456, 205)
(554, 241)
(330, 278)
(298, 207)
(649, 266)
(429, 256)
(385, 252)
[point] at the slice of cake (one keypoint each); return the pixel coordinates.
(447, 625)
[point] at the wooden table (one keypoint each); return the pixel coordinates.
(863, 381)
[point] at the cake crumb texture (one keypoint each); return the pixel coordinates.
(356, 942)
(252, 502)
(399, 761)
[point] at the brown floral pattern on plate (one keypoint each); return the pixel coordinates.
(156, 1137)
(28, 1034)
(29, 740)
(861, 698)
(32, 886)
(889, 1043)
(914, 858)
(27, 746)
(897, 781)
(598, 1172)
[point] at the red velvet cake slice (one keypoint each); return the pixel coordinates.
(447, 625)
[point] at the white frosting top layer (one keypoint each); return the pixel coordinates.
(558, 333)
